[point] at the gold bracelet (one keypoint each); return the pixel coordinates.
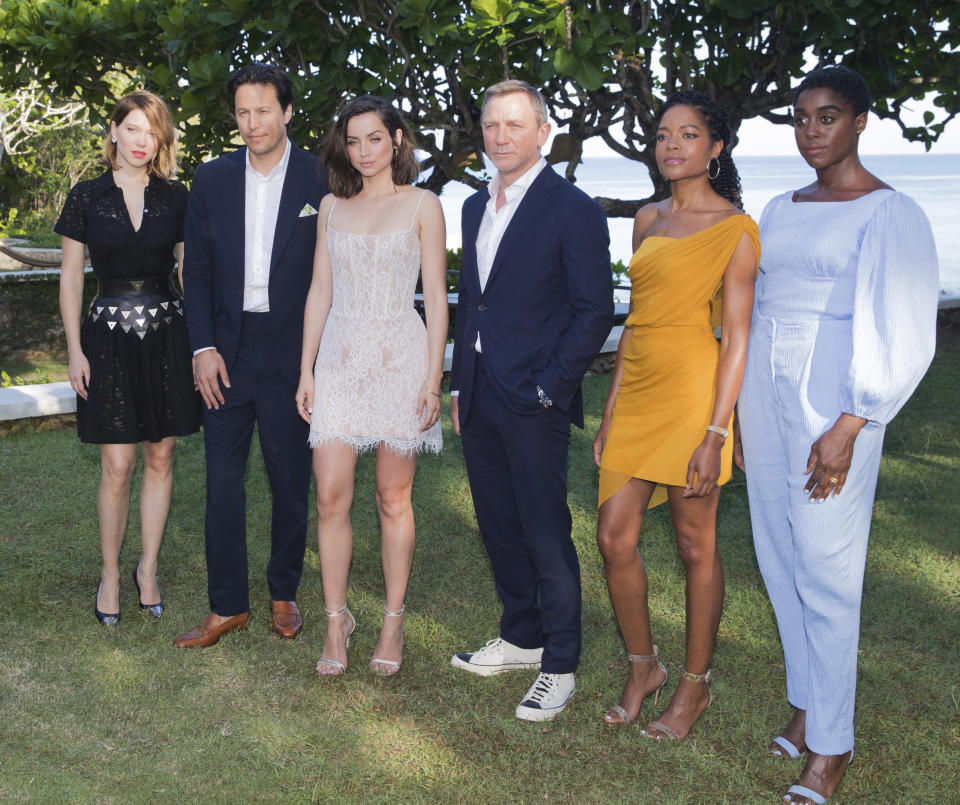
(436, 394)
(717, 429)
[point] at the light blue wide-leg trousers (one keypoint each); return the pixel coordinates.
(811, 555)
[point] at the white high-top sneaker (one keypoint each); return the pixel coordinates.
(497, 657)
(547, 697)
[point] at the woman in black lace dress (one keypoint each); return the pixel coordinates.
(130, 361)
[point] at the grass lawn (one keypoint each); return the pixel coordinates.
(91, 715)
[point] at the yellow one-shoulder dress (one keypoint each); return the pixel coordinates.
(669, 378)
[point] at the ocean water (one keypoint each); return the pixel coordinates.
(933, 180)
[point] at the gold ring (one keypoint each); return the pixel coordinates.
(835, 481)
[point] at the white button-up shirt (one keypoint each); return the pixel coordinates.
(261, 206)
(495, 222)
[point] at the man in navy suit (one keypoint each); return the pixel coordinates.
(250, 235)
(535, 306)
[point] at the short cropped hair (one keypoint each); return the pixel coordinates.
(847, 83)
(344, 179)
(164, 162)
(513, 85)
(258, 73)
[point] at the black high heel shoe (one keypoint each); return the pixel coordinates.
(154, 609)
(105, 618)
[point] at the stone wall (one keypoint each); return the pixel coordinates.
(30, 312)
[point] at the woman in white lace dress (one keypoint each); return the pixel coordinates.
(370, 371)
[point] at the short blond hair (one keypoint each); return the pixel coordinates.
(515, 85)
(164, 162)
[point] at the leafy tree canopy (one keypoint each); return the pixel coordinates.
(604, 67)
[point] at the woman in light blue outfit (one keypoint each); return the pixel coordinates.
(843, 329)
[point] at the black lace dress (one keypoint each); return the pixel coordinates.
(135, 334)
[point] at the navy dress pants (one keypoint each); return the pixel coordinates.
(258, 394)
(517, 466)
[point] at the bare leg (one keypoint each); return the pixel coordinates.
(695, 524)
(618, 530)
(334, 465)
(154, 507)
(113, 503)
(822, 774)
(394, 483)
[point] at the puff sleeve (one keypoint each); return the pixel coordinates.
(894, 311)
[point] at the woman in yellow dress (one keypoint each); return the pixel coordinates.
(670, 408)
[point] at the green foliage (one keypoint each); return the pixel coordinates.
(7, 381)
(604, 67)
(35, 181)
(35, 226)
(620, 271)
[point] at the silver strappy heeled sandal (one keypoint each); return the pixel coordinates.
(672, 734)
(392, 665)
(624, 716)
(339, 667)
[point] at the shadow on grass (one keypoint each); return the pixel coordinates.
(88, 715)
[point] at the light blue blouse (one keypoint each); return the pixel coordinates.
(871, 261)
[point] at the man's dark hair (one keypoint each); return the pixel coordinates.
(257, 73)
(847, 83)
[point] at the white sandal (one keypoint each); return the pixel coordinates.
(787, 748)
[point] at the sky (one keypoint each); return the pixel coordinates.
(759, 137)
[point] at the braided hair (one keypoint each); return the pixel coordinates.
(727, 181)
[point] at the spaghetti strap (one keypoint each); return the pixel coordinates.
(330, 214)
(414, 219)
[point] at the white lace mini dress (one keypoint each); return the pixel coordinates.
(373, 358)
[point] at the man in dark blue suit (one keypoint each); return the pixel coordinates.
(249, 241)
(535, 306)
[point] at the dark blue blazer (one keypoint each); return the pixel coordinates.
(547, 306)
(214, 255)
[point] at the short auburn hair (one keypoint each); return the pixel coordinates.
(164, 162)
(344, 179)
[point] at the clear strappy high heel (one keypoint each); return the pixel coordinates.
(392, 666)
(672, 734)
(624, 717)
(338, 667)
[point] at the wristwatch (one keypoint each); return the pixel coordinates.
(545, 401)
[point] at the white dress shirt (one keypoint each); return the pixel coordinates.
(495, 222)
(261, 205)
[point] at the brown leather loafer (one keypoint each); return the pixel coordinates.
(286, 618)
(212, 629)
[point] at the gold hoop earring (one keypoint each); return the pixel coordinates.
(716, 173)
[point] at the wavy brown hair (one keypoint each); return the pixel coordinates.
(344, 179)
(164, 162)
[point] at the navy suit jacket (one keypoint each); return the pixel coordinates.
(547, 306)
(214, 256)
